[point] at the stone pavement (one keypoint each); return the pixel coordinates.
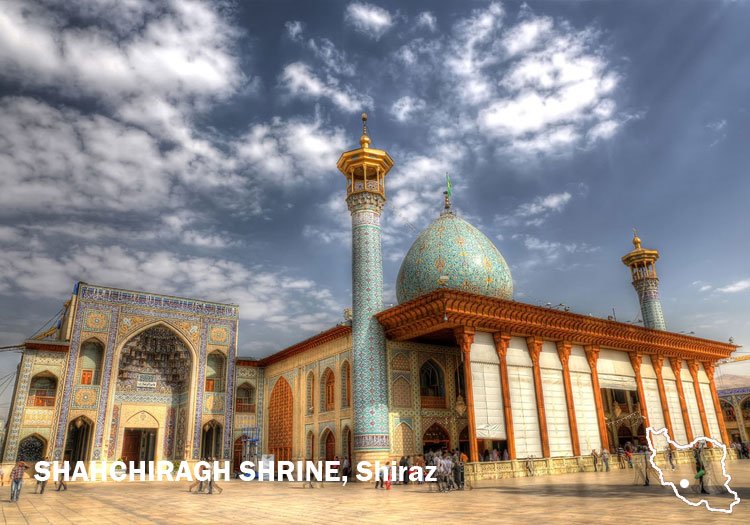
(588, 498)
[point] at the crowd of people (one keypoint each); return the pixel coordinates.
(449, 470)
(743, 449)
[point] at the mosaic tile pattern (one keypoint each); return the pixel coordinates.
(370, 381)
(452, 247)
(113, 430)
(648, 295)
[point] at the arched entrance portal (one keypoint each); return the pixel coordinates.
(155, 366)
(211, 440)
(280, 411)
(78, 442)
(436, 438)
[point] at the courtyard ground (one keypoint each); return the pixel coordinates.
(574, 498)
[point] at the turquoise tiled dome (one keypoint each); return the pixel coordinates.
(452, 247)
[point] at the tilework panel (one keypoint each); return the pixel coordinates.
(113, 430)
(370, 382)
(453, 247)
(95, 321)
(85, 396)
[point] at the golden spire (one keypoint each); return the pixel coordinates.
(364, 140)
(636, 240)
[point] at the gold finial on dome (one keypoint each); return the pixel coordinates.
(636, 239)
(364, 140)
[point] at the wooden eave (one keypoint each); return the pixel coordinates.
(449, 309)
(52, 346)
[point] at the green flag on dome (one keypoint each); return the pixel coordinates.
(449, 188)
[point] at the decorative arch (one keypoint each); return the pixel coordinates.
(400, 361)
(403, 443)
(432, 384)
(327, 391)
(346, 442)
(244, 401)
(90, 360)
(310, 445)
(745, 404)
(401, 392)
(728, 410)
(310, 385)
(215, 372)
(42, 390)
(78, 440)
(327, 445)
(188, 437)
(32, 448)
(346, 384)
(436, 437)
(280, 419)
(142, 419)
(211, 440)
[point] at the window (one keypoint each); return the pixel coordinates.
(432, 385)
(90, 358)
(328, 394)
(245, 400)
(346, 384)
(42, 391)
(310, 392)
(215, 373)
(87, 377)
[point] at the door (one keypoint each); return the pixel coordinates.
(330, 446)
(131, 445)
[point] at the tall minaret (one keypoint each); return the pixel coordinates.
(642, 264)
(365, 169)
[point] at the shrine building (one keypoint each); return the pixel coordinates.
(458, 363)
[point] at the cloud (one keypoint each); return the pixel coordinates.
(404, 107)
(426, 20)
(536, 212)
(290, 151)
(550, 252)
(333, 59)
(535, 88)
(294, 29)
(300, 80)
(554, 202)
(270, 295)
(369, 19)
(735, 287)
(717, 129)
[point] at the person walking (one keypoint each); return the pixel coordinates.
(595, 457)
(16, 480)
(212, 478)
(40, 485)
(605, 459)
(199, 478)
(670, 457)
(700, 469)
(60, 482)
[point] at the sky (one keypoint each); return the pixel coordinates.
(189, 148)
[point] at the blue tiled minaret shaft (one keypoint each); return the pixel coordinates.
(642, 264)
(365, 169)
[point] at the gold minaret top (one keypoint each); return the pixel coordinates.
(640, 260)
(365, 168)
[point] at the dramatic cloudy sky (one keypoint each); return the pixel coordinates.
(189, 148)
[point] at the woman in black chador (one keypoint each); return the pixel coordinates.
(700, 468)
